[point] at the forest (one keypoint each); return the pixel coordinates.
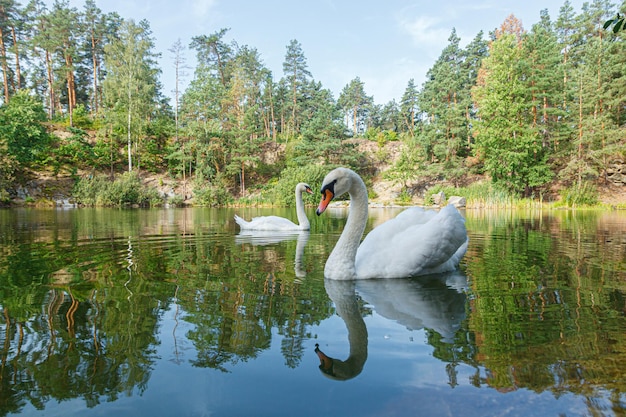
(523, 108)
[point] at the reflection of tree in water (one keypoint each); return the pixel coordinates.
(79, 342)
(548, 316)
(68, 337)
(79, 316)
(284, 292)
(254, 291)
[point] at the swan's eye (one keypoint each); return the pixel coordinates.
(330, 187)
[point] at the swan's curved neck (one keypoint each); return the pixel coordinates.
(340, 263)
(303, 220)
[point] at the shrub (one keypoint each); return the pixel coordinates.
(211, 195)
(125, 190)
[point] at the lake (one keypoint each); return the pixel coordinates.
(108, 312)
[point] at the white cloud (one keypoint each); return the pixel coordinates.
(424, 31)
(202, 8)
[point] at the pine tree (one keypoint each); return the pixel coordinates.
(65, 31)
(13, 28)
(542, 59)
(355, 103)
(598, 137)
(296, 75)
(409, 107)
(445, 101)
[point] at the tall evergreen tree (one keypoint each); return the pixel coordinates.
(13, 28)
(65, 32)
(296, 75)
(542, 59)
(445, 100)
(244, 110)
(391, 118)
(100, 29)
(409, 107)
(355, 104)
(598, 137)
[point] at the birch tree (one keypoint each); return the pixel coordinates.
(131, 86)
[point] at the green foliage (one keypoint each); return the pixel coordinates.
(546, 101)
(354, 104)
(410, 164)
(22, 130)
(321, 142)
(214, 193)
(585, 194)
(81, 118)
(617, 23)
(125, 190)
(282, 193)
(73, 152)
(513, 152)
(8, 167)
(131, 87)
(176, 201)
(210, 195)
(404, 197)
(479, 194)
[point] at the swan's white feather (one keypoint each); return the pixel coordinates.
(268, 223)
(416, 242)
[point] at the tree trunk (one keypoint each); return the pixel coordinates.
(95, 65)
(50, 81)
(5, 68)
(71, 88)
(18, 72)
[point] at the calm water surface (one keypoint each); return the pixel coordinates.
(174, 312)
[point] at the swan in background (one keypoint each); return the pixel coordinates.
(434, 302)
(415, 242)
(280, 223)
(265, 237)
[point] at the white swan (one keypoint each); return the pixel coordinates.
(435, 302)
(416, 242)
(280, 223)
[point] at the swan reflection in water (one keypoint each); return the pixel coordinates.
(435, 302)
(264, 238)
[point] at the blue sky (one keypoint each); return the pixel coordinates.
(383, 43)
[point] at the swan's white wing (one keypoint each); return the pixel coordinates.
(267, 223)
(413, 244)
(409, 217)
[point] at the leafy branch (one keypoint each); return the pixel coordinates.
(618, 23)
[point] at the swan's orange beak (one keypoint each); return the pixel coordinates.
(308, 190)
(327, 197)
(326, 363)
